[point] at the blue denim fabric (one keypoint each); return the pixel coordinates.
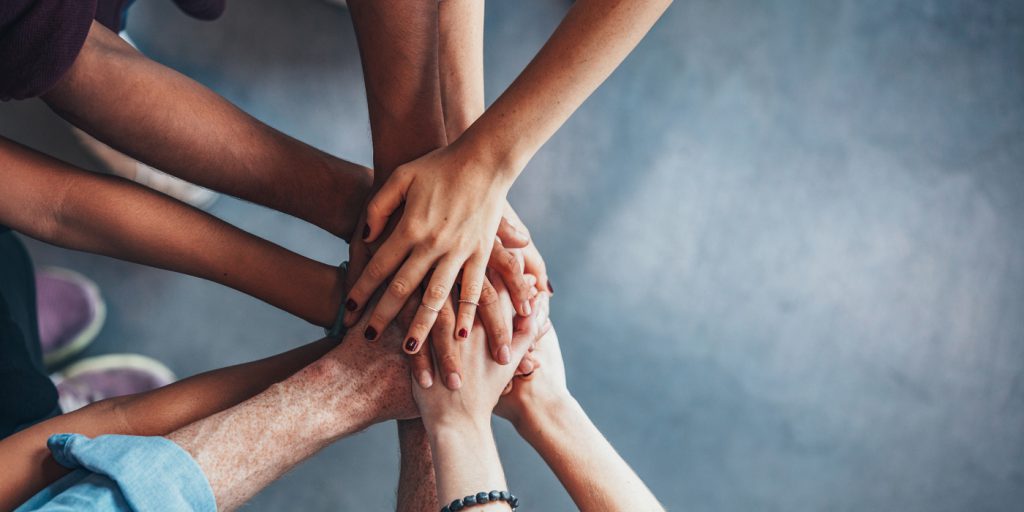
(115, 472)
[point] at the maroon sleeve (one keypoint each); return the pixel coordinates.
(39, 40)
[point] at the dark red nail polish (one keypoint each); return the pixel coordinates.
(366, 232)
(351, 305)
(370, 333)
(410, 344)
(551, 288)
(463, 332)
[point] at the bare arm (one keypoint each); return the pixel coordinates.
(28, 466)
(54, 202)
(169, 121)
(548, 417)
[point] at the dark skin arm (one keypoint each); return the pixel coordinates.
(160, 117)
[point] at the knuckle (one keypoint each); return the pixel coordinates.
(445, 317)
(472, 289)
(508, 262)
(421, 327)
(399, 288)
(488, 296)
(376, 271)
(450, 361)
(437, 292)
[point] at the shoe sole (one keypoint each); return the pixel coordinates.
(92, 330)
(109, 361)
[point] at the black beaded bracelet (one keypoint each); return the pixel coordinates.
(481, 498)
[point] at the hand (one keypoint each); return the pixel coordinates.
(485, 379)
(544, 388)
(451, 215)
(532, 262)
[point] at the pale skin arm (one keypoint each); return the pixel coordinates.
(548, 417)
(51, 201)
(173, 123)
(453, 197)
(28, 466)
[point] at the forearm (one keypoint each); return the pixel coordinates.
(417, 489)
(588, 466)
(466, 461)
(461, 63)
(56, 203)
(28, 466)
(243, 449)
(592, 40)
(169, 121)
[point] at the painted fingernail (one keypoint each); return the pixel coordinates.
(370, 333)
(454, 381)
(425, 380)
(463, 333)
(504, 355)
(410, 345)
(366, 232)
(351, 305)
(551, 288)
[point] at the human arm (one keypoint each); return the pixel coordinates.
(173, 123)
(453, 197)
(458, 423)
(548, 417)
(52, 201)
(28, 466)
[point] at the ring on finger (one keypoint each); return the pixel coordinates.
(428, 306)
(465, 301)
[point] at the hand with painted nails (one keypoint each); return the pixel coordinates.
(484, 379)
(450, 220)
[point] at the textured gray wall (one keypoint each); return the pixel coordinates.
(787, 240)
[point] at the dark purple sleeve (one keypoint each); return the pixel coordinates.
(39, 40)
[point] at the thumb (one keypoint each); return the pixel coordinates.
(513, 235)
(384, 203)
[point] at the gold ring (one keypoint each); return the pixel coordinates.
(435, 310)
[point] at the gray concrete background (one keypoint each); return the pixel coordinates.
(787, 240)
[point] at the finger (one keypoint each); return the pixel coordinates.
(508, 388)
(512, 234)
(506, 264)
(525, 334)
(396, 294)
(446, 348)
(497, 327)
(381, 266)
(434, 299)
(534, 264)
(469, 295)
(422, 368)
(384, 203)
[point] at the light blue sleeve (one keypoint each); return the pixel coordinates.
(114, 472)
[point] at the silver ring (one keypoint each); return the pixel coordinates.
(464, 301)
(435, 310)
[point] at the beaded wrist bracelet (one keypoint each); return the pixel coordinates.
(481, 498)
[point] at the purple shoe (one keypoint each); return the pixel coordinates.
(71, 313)
(96, 378)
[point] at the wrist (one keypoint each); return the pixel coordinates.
(543, 413)
(503, 161)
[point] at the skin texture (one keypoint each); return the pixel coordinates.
(228, 150)
(453, 197)
(28, 467)
(458, 422)
(547, 416)
(52, 201)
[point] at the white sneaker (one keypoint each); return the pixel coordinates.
(97, 378)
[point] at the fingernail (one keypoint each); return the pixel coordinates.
(454, 381)
(370, 333)
(366, 232)
(351, 305)
(425, 380)
(504, 355)
(551, 288)
(527, 367)
(526, 308)
(410, 345)
(463, 333)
